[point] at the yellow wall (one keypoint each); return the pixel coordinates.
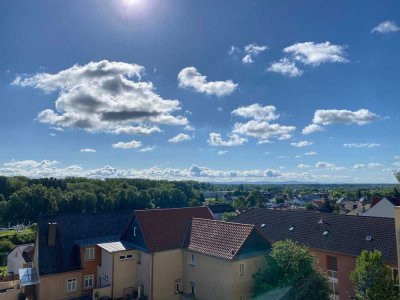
(125, 275)
(167, 268)
(54, 287)
(218, 278)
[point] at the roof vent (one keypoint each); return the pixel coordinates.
(325, 233)
(368, 238)
(321, 221)
(291, 228)
(262, 225)
(233, 251)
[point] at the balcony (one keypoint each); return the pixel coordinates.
(333, 276)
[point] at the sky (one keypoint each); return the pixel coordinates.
(219, 91)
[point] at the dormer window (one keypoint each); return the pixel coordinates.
(89, 253)
(134, 231)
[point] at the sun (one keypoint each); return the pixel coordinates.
(132, 2)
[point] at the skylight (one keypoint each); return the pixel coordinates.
(262, 225)
(368, 238)
(291, 228)
(325, 233)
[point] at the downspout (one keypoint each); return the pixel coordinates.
(113, 276)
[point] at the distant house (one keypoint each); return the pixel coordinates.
(20, 257)
(218, 209)
(161, 253)
(336, 240)
(382, 207)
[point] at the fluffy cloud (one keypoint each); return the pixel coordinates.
(215, 139)
(147, 149)
(285, 67)
(361, 145)
(311, 129)
(180, 138)
(104, 96)
(257, 112)
(327, 165)
(222, 152)
(386, 27)
(127, 145)
(31, 164)
(88, 150)
(332, 116)
(264, 130)
(301, 144)
(367, 166)
(251, 51)
(311, 153)
(303, 166)
(191, 78)
(314, 54)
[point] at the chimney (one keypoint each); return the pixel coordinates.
(397, 228)
(52, 234)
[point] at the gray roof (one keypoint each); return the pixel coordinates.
(346, 234)
(72, 230)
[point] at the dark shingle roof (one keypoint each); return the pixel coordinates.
(217, 238)
(219, 208)
(71, 228)
(164, 229)
(346, 234)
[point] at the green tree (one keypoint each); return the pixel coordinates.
(372, 279)
(291, 265)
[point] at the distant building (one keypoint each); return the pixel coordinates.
(382, 207)
(218, 209)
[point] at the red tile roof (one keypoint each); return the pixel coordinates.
(165, 229)
(217, 238)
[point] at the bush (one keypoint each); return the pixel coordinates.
(6, 246)
(23, 238)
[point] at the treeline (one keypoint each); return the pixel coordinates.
(23, 199)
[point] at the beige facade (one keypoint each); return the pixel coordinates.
(54, 287)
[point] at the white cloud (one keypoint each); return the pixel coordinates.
(127, 145)
(52, 134)
(285, 67)
(386, 27)
(327, 165)
(57, 129)
(311, 129)
(147, 149)
(367, 166)
(314, 54)
(215, 139)
(257, 112)
(361, 145)
(191, 78)
(264, 130)
(31, 164)
(396, 157)
(88, 150)
(180, 138)
(332, 116)
(311, 153)
(301, 144)
(233, 50)
(397, 164)
(251, 51)
(104, 96)
(303, 166)
(189, 128)
(222, 152)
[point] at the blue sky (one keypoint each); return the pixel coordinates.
(204, 90)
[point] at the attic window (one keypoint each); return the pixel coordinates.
(291, 228)
(368, 238)
(325, 233)
(262, 225)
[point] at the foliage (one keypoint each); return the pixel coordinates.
(6, 246)
(372, 279)
(309, 206)
(229, 215)
(3, 272)
(290, 264)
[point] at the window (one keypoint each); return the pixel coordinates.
(134, 231)
(178, 288)
(192, 288)
(193, 259)
(88, 281)
(395, 276)
(122, 257)
(89, 253)
(139, 258)
(129, 256)
(241, 269)
(331, 264)
(71, 285)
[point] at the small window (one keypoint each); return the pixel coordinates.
(139, 258)
(88, 281)
(129, 256)
(241, 269)
(192, 288)
(71, 285)
(89, 253)
(178, 286)
(122, 257)
(134, 231)
(193, 259)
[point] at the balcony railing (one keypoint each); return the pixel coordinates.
(332, 274)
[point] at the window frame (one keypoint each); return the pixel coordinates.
(90, 253)
(241, 269)
(178, 286)
(75, 285)
(193, 260)
(88, 277)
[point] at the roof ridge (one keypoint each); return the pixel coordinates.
(171, 208)
(225, 222)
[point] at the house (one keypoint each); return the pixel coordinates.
(160, 253)
(218, 209)
(20, 257)
(335, 240)
(382, 207)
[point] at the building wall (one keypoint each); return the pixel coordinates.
(144, 271)
(218, 278)
(15, 260)
(167, 268)
(104, 277)
(125, 274)
(54, 287)
(90, 266)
